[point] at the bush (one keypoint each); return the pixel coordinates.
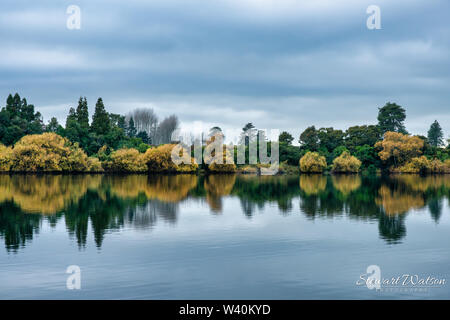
(126, 160)
(416, 165)
(346, 163)
(312, 162)
(47, 152)
(447, 166)
(160, 160)
(424, 165)
(5, 158)
(227, 165)
(94, 165)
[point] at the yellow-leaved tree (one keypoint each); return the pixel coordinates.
(47, 152)
(126, 160)
(5, 158)
(226, 165)
(423, 165)
(313, 162)
(94, 165)
(160, 160)
(217, 163)
(397, 148)
(346, 163)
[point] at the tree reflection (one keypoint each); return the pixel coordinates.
(17, 227)
(108, 203)
(217, 186)
(346, 184)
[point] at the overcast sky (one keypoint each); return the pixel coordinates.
(281, 64)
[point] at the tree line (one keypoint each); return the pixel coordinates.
(384, 146)
(114, 142)
(138, 129)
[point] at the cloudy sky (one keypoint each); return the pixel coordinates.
(282, 64)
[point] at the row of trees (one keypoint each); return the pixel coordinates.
(363, 142)
(398, 153)
(50, 152)
(138, 129)
(114, 138)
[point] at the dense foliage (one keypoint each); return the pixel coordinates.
(312, 162)
(47, 152)
(398, 148)
(160, 160)
(346, 163)
(126, 160)
(17, 119)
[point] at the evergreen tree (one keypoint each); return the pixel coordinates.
(83, 113)
(121, 123)
(309, 139)
(18, 119)
(286, 137)
(100, 120)
(131, 131)
(435, 135)
(13, 105)
(143, 135)
(248, 133)
(391, 117)
(71, 117)
(53, 125)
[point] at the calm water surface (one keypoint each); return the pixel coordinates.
(222, 237)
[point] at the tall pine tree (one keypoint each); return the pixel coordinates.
(131, 130)
(100, 120)
(71, 117)
(83, 113)
(391, 117)
(435, 135)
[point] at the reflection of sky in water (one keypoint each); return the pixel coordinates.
(202, 254)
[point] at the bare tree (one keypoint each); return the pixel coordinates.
(166, 128)
(145, 120)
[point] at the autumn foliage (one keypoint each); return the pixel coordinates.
(397, 148)
(5, 158)
(160, 160)
(215, 164)
(126, 160)
(312, 162)
(346, 163)
(424, 165)
(46, 152)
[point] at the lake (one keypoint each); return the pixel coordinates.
(224, 236)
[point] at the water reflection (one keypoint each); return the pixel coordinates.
(104, 203)
(216, 187)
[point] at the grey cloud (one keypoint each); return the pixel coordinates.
(283, 63)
